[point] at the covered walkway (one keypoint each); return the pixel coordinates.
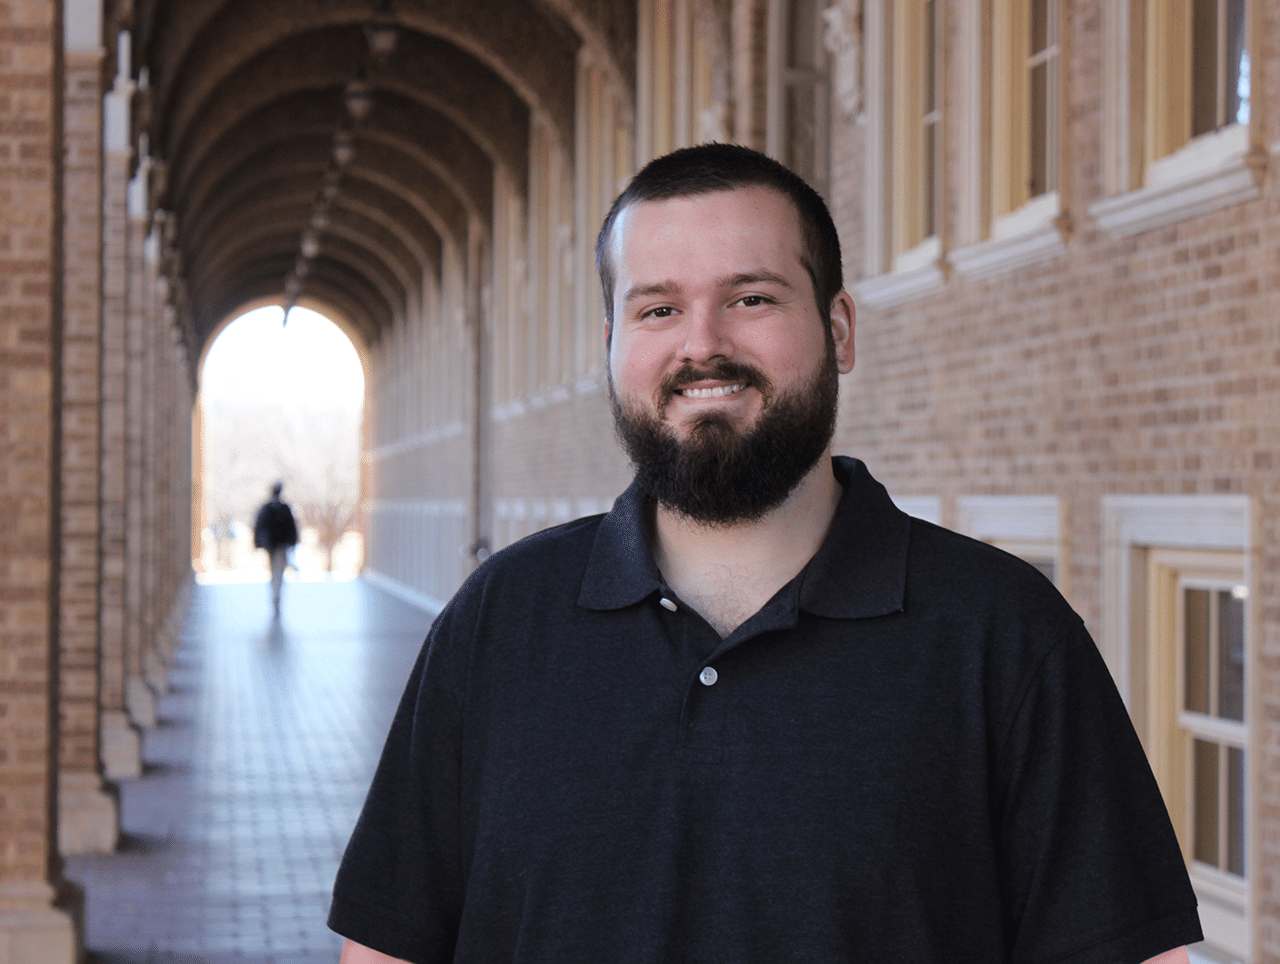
(268, 736)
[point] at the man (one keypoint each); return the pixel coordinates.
(275, 531)
(755, 713)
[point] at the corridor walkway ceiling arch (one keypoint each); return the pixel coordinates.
(271, 183)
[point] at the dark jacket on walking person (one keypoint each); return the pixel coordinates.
(274, 528)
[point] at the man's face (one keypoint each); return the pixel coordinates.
(722, 372)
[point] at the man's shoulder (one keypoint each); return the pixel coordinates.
(958, 572)
(551, 559)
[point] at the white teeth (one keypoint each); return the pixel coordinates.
(718, 392)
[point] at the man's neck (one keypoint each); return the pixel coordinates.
(727, 573)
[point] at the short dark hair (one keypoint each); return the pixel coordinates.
(708, 168)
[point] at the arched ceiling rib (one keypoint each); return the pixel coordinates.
(245, 99)
(500, 34)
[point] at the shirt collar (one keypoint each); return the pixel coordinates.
(859, 572)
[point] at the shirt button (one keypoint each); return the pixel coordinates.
(708, 676)
(666, 603)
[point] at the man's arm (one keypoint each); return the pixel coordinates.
(353, 953)
(1175, 956)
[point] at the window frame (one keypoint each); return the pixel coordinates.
(1135, 530)
(1172, 730)
(901, 263)
(1010, 229)
(1154, 172)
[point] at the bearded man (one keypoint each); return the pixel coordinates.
(755, 713)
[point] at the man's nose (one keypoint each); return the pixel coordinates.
(706, 336)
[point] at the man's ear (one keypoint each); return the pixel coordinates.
(843, 316)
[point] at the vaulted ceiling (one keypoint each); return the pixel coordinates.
(301, 158)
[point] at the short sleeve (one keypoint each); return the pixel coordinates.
(1091, 869)
(399, 886)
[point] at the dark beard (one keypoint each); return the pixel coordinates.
(718, 476)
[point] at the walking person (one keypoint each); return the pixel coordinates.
(275, 531)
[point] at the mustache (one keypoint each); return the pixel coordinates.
(723, 370)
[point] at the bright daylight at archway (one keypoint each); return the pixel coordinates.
(279, 403)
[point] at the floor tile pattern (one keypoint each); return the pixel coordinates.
(268, 737)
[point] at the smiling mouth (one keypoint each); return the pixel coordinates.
(719, 391)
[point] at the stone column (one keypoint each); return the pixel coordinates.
(139, 698)
(88, 814)
(121, 737)
(39, 916)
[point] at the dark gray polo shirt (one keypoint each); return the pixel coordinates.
(912, 753)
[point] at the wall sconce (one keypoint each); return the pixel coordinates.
(381, 31)
(358, 98)
(344, 147)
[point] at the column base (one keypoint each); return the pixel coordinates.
(39, 925)
(88, 815)
(121, 746)
(140, 701)
(156, 671)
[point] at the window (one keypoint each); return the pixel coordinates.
(1219, 65)
(1017, 83)
(1175, 633)
(797, 125)
(1176, 105)
(1199, 737)
(916, 133)
(1042, 89)
(1025, 99)
(904, 198)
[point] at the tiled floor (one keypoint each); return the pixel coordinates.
(268, 738)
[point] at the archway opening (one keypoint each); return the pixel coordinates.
(280, 403)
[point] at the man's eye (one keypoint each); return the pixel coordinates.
(752, 301)
(663, 312)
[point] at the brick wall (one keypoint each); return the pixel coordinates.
(29, 313)
(78, 617)
(30, 316)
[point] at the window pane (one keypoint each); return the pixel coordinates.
(1196, 649)
(1205, 808)
(1230, 656)
(1204, 66)
(1037, 181)
(930, 57)
(1235, 811)
(1237, 72)
(930, 172)
(1039, 25)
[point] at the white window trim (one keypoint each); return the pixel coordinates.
(1032, 233)
(1132, 522)
(1213, 171)
(1016, 518)
(915, 273)
(1018, 522)
(926, 507)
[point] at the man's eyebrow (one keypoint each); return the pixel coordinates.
(756, 277)
(649, 290)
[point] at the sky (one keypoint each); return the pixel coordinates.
(309, 361)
